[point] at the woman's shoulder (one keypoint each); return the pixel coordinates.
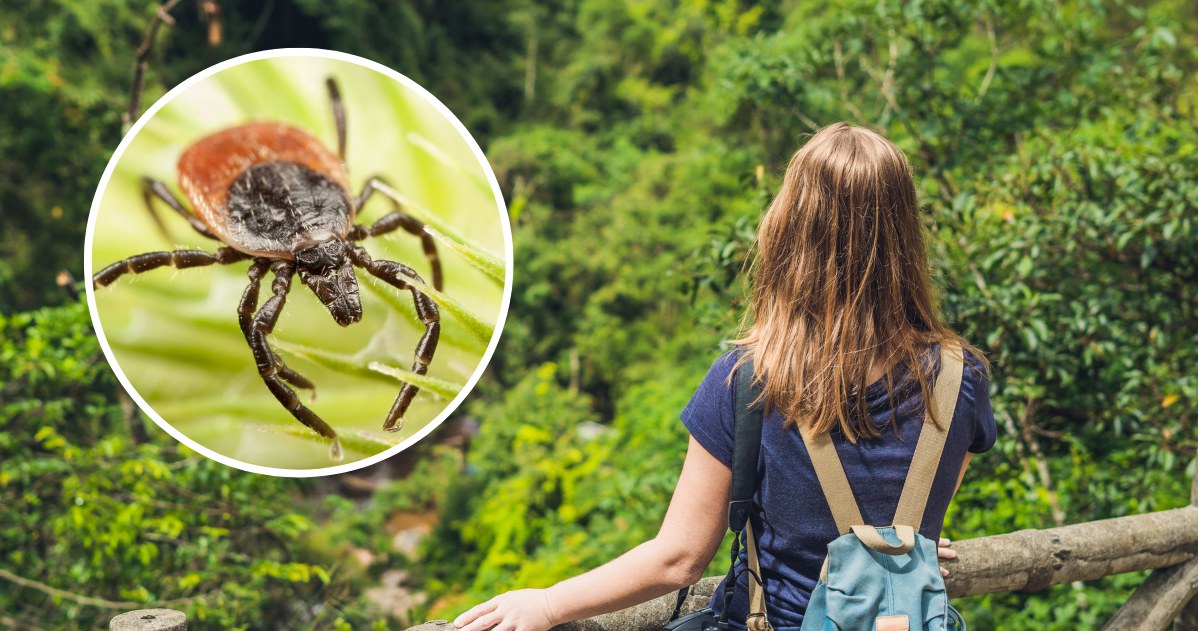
(709, 413)
(976, 370)
(719, 376)
(975, 380)
(726, 361)
(975, 367)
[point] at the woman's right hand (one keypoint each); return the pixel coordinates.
(520, 610)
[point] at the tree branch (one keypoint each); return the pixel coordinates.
(13, 623)
(142, 60)
(93, 601)
(993, 61)
(1025, 426)
(844, 92)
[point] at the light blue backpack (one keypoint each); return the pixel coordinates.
(878, 578)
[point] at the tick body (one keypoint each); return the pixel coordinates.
(278, 197)
(267, 189)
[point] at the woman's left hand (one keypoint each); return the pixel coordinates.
(943, 551)
(521, 610)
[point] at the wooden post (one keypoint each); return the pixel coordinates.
(1158, 600)
(149, 620)
(1187, 620)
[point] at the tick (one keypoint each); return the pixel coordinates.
(276, 196)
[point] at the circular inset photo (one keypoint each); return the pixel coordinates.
(300, 262)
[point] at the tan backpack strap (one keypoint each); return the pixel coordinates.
(832, 480)
(757, 620)
(870, 536)
(926, 460)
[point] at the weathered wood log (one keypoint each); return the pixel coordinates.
(1035, 559)
(651, 615)
(1187, 620)
(1158, 600)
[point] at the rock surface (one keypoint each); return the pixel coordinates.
(149, 620)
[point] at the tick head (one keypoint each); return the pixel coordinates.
(326, 269)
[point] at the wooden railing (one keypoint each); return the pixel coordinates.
(1165, 542)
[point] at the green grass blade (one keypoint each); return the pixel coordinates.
(480, 329)
(420, 212)
(457, 336)
(485, 262)
(365, 443)
(375, 370)
(441, 388)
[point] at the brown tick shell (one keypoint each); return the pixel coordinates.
(208, 169)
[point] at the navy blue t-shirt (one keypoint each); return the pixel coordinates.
(790, 516)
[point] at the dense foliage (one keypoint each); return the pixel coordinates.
(65, 85)
(637, 144)
(112, 517)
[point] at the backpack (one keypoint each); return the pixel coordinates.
(874, 578)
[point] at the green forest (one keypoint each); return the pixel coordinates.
(637, 143)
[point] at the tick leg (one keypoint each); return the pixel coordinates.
(262, 325)
(294, 378)
(338, 115)
(180, 259)
(151, 188)
(394, 220)
(397, 275)
(245, 318)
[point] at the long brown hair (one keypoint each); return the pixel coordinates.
(840, 281)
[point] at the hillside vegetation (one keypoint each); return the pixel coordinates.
(637, 144)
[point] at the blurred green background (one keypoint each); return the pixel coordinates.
(636, 143)
(174, 333)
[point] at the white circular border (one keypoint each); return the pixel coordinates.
(507, 242)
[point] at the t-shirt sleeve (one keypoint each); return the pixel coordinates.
(709, 415)
(985, 429)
